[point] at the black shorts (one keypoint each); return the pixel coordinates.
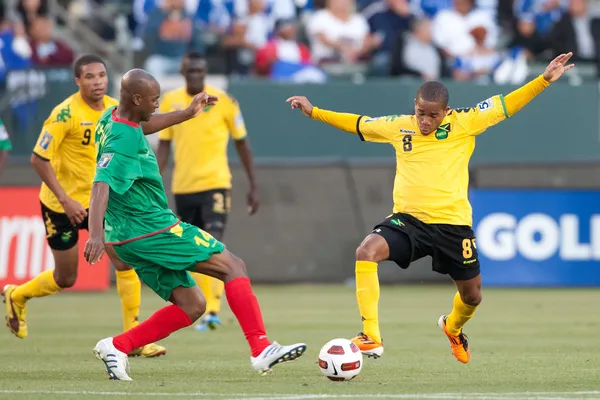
(452, 247)
(207, 210)
(60, 233)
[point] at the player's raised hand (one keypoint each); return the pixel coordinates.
(200, 102)
(558, 67)
(94, 249)
(75, 211)
(302, 103)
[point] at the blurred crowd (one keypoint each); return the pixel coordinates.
(487, 40)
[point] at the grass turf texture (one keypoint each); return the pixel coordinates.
(544, 342)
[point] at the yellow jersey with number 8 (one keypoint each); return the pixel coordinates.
(67, 141)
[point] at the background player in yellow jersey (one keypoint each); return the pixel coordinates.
(201, 178)
(432, 215)
(65, 158)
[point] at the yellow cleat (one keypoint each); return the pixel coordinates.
(15, 315)
(149, 351)
(369, 347)
(460, 343)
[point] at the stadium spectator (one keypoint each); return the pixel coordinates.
(338, 34)
(283, 47)
(170, 33)
(480, 63)
(15, 52)
(417, 56)
(452, 29)
(536, 20)
(388, 20)
(31, 9)
(47, 50)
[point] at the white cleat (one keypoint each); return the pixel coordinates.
(115, 361)
(275, 354)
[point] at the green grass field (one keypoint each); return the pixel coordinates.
(526, 344)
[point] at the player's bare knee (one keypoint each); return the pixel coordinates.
(236, 268)
(66, 278)
(471, 297)
(366, 252)
(120, 265)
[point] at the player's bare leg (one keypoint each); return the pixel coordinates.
(244, 305)
(212, 289)
(130, 288)
(373, 250)
(47, 283)
(466, 301)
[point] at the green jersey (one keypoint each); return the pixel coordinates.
(137, 203)
(4, 142)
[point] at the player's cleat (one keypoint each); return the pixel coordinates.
(275, 354)
(369, 347)
(15, 315)
(149, 351)
(115, 361)
(460, 343)
(210, 322)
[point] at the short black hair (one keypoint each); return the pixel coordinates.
(195, 55)
(434, 92)
(84, 60)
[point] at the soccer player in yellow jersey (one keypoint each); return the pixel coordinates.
(432, 215)
(65, 158)
(201, 178)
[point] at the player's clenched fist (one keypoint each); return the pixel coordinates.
(94, 249)
(302, 103)
(201, 101)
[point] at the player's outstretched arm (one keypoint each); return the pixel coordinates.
(158, 122)
(517, 99)
(344, 121)
(94, 247)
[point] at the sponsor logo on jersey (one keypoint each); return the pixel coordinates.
(105, 160)
(407, 131)
(46, 139)
(85, 123)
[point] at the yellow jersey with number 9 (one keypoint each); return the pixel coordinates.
(432, 171)
(67, 141)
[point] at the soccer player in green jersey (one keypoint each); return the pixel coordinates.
(5, 146)
(129, 211)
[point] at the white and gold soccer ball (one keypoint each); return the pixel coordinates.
(340, 360)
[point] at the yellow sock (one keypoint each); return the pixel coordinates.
(129, 288)
(459, 316)
(40, 286)
(367, 294)
(212, 289)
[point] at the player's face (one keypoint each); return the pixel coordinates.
(93, 81)
(194, 72)
(429, 115)
(149, 102)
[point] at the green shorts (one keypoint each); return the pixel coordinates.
(162, 261)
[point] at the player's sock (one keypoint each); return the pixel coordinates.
(129, 288)
(244, 305)
(40, 286)
(367, 294)
(459, 316)
(208, 287)
(160, 325)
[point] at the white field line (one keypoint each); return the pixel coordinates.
(307, 396)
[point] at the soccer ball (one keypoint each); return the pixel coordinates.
(340, 360)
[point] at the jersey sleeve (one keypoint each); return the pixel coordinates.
(488, 113)
(235, 120)
(54, 131)
(379, 130)
(118, 162)
(4, 139)
(167, 133)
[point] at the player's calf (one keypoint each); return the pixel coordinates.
(190, 300)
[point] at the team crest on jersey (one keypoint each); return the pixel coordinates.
(485, 105)
(442, 132)
(105, 160)
(46, 139)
